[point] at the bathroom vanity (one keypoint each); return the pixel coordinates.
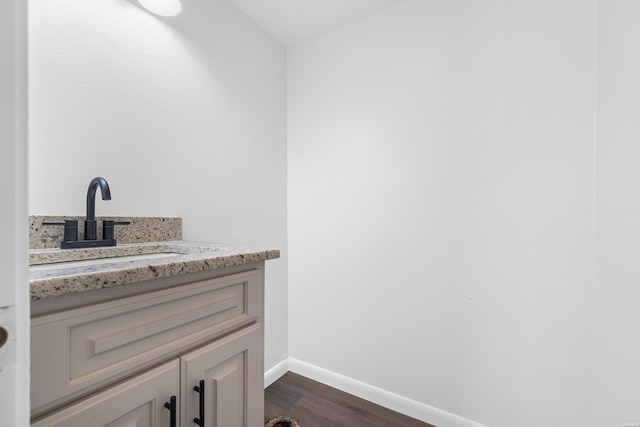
(153, 333)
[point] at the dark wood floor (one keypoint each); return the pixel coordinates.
(316, 405)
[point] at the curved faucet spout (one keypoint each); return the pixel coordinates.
(91, 195)
(90, 222)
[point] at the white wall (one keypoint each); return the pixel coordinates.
(14, 302)
(440, 207)
(618, 214)
(184, 117)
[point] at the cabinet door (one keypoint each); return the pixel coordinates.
(231, 369)
(136, 402)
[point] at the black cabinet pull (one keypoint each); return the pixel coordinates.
(171, 406)
(200, 390)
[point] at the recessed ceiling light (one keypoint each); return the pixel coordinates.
(162, 7)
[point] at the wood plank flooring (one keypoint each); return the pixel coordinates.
(316, 405)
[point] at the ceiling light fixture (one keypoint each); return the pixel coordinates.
(162, 7)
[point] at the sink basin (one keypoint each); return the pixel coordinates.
(122, 253)
(109, 260)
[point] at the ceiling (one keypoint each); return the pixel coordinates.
(293, 21)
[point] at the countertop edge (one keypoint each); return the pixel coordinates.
(65, 281)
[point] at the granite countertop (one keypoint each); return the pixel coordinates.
(55, 272)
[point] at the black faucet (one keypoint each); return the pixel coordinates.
(71, 241)
(90, 229)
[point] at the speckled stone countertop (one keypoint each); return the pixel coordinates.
(56, 272)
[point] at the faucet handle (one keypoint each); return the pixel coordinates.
(70, 228)
(108, 229)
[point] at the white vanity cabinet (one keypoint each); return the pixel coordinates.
(116, 357)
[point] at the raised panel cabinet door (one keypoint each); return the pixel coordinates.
(139, 401)
(231, 372)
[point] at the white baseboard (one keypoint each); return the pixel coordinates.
(273, 374)
(385, 398)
